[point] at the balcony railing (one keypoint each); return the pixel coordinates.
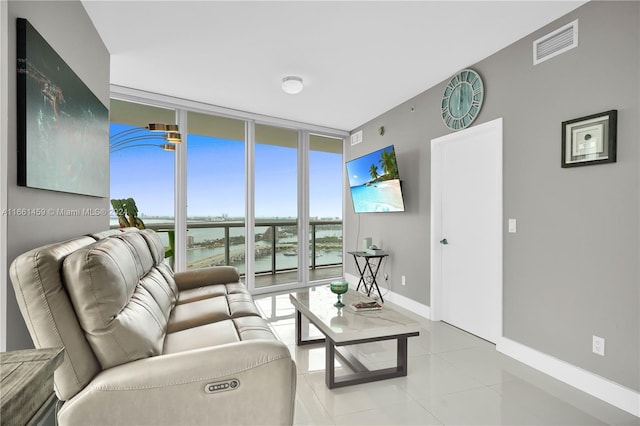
(223, 243)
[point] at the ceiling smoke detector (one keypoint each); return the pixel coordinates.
(292, 84)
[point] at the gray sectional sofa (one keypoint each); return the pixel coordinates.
(146, 346)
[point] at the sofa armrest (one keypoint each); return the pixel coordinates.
(175, 389)
(195, 278)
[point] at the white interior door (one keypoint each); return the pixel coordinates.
(467, 230)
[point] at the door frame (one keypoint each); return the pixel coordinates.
(436, 285)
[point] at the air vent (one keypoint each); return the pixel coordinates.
(559, 41)
(356, 138)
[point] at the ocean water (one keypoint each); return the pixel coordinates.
(289, 260)
(201, 256)
(378, 197)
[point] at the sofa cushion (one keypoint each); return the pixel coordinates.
(104, 234)
(160, 285)
(209, 291)
(251, 328)
(198, 313)
(195, 278)
(121, 297)
(219, 333)
(49, 315)
(155, 244)
(210, 310)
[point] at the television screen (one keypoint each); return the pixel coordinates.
(375, 182)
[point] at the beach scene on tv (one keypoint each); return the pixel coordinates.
(375, 182)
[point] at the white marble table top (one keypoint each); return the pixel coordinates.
(343, 325)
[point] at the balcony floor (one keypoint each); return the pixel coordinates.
(286, 277)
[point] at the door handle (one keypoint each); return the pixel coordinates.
(444, 241)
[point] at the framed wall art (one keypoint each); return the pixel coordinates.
(63, 128)
(589, 140)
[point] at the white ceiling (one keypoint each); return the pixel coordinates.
(358, 59)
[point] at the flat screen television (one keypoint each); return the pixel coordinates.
(375, 183)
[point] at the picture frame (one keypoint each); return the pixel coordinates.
(590, 140)
(62, 127)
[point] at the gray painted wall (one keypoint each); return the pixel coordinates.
(68, 29)
(572, 269)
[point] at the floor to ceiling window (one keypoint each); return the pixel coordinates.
(276, 204)
(142, 166)
(215, 191)
(325, 207)
(261, 197)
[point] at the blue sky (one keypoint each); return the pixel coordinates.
(358, 168)
(215, 179)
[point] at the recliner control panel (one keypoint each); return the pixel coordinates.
(222, 386)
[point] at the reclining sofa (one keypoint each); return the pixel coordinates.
(143, 345)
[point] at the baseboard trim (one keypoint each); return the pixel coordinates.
(398, 299)
(409, 304)
(613, 393)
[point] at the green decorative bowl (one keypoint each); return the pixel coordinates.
(339, 288)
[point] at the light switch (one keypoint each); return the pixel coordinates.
(512, 225)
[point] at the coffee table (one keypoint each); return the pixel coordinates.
(343, 327)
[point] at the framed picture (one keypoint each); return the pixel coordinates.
(63, 128)
(589, 140)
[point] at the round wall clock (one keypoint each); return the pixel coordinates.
(462, 99)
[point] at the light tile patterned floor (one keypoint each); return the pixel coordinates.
(454, 379)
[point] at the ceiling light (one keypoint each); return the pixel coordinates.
(292, 84)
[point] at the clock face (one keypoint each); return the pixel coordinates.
(462, 99)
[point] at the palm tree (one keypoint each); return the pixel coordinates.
(388, 161)
(373, 171)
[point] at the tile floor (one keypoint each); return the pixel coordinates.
(454, 379)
